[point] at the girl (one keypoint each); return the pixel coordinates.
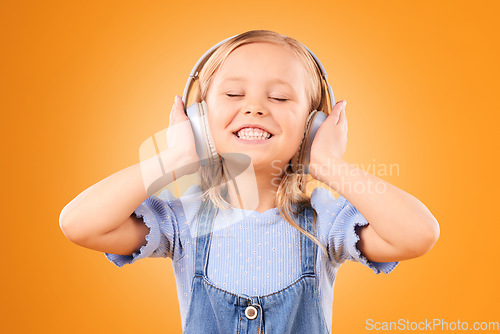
(255, 255)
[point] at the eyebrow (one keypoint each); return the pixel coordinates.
(275, 80)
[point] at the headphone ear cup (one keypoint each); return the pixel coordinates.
(205, 147)
(301, 159)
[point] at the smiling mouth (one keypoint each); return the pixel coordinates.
(252, 134)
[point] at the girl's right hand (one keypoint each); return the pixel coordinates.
(180, 139)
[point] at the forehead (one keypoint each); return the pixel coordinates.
(265, 62)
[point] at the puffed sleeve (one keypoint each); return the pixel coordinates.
(158, 215)
(338, 222)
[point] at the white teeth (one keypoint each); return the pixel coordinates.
(253, 134)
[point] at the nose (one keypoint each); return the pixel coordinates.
(254, 109)
(250, 111)
(254, 104)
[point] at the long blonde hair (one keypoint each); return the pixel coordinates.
(291, 196)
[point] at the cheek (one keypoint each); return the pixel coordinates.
(293, 132)
(299, 128)
(298, 138)
(293, 126)
(218, 122)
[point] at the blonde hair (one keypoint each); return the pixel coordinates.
(291, 191)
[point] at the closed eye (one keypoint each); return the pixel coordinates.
(274, 98)
(278, 99)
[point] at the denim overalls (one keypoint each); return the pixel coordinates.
(294, 309)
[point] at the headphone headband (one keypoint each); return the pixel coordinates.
(203, 59)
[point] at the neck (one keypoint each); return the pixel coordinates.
(254, 188)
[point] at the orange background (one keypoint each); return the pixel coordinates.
(83, 85)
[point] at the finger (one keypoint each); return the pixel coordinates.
(179, 113)
(334, 113)
(342, 117)
(339, 108)
(172, 112)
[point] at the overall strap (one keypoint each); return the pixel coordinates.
(308, 248)
(206, 217)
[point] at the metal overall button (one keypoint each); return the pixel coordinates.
(251, 312)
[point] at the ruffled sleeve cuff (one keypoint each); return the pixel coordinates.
(346, 237)
(152, 238)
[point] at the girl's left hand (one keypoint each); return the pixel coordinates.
(331, 139)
